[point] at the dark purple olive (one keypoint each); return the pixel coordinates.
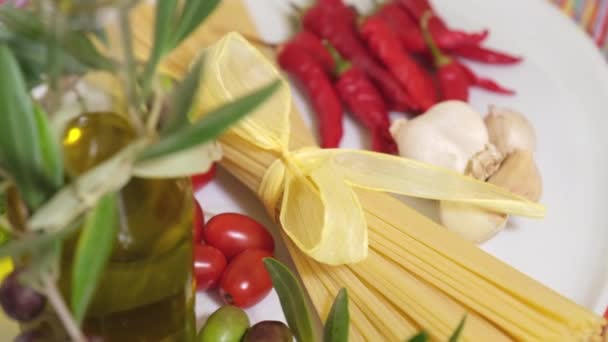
(39, 334)
(21, 303)
(268, 331)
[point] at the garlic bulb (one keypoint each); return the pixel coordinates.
(510, 130)
(447, 135)
(453, 135)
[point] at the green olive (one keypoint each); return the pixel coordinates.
(268, 331)
(227, 324)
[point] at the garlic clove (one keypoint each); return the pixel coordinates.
(520, 175)
(510, 130)
(485, 163)
(447, 135)
(471, 222)
(517, 173)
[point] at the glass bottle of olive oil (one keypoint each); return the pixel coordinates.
(146, 292)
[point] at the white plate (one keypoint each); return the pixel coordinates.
(563, 89)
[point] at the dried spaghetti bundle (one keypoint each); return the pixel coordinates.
(404, 272)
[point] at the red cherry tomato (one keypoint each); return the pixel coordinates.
(198, 223)
(209, 263)
(233, 233)
(200, 180)
(246, 281)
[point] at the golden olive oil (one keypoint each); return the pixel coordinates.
(146, 292)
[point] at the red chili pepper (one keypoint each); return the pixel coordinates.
(455, 77)
(485, 55)
(319, 90)
(408, 31)
(365, 103)
(385, 44)
(453, 80)
(343, 36)
(338, 8)
(417, 8)
(307, 41)
(445, 37)
(485, 83)
(403, 25)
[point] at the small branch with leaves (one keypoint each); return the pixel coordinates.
(40, 46)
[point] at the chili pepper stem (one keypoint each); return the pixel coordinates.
(295, 9)
(342, 65)
(439, 58)
(376, 4)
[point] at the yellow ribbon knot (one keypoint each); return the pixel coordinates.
(310, 191)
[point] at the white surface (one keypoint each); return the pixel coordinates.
(563, 89)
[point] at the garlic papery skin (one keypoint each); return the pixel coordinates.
(519, 174)
(509, 130)
(447, 135)
(485, 163)
(471, 222)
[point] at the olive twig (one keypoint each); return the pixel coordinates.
(155, 111)
(56, 300)
(129, 69)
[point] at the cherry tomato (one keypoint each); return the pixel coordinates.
(200, 180)
(198, 223)
(233, 233)
(246, 281)
(209, 263)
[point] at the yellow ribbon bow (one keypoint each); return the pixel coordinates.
(310, 190)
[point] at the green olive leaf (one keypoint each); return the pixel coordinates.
(4, 236)
(338, 320)
(81, 48)
(49, 148)
(20, 146)
(421, 337)
(195, 160)
(210, 126)
(194, 13)
(164, 24)
(165, 14)
(293, 301)
(182, 99)
(22, 23)
(74, 45)
(92, 253)
(456, 335)
(81, 195)
(34, 241)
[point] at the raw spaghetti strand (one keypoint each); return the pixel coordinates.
(415, 288)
